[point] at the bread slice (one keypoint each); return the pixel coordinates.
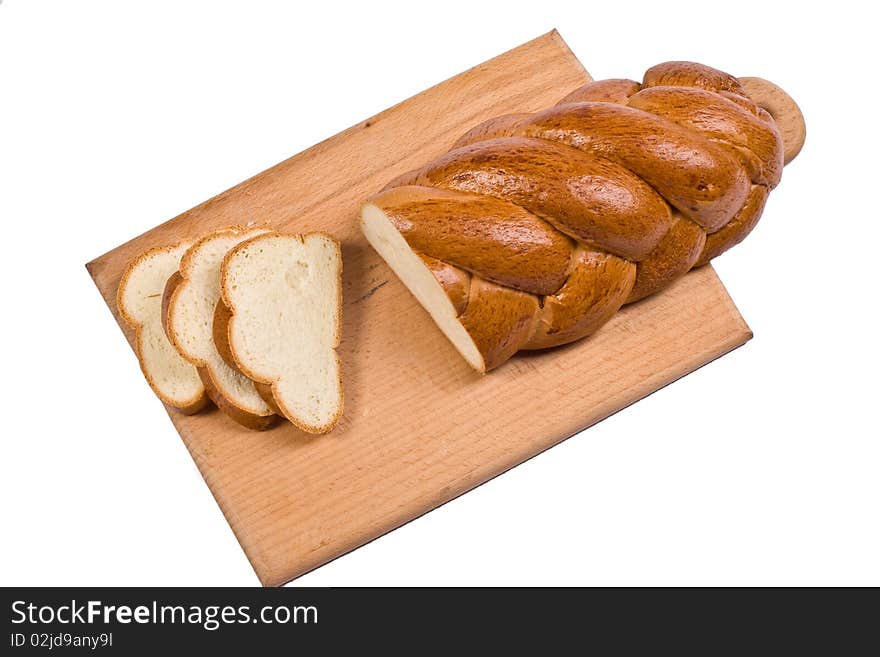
(283, 294)
(191, 296)
(139, 300)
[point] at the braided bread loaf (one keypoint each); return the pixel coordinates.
(536, 228)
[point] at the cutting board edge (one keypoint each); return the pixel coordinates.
(270, 578)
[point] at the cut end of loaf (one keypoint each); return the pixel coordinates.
(411, 269)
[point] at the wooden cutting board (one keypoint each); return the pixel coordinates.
(420, 427)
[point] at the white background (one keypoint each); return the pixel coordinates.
(761, 468)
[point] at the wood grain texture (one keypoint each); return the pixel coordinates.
(420, 427)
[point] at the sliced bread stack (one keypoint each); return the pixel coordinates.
(251, 321)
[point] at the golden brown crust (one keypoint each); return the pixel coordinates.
(672, 259)
(590, 199)
(738, 228)
(598, 286)
(171, 286)
(646, 179)
(603, 91)
(691, 74)
(249, 420)
(499, 320)
(407, 178)
(498, 126)
(694, 175)
(753, 141)
(196, 406)
(220, 330)
(265, 392)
